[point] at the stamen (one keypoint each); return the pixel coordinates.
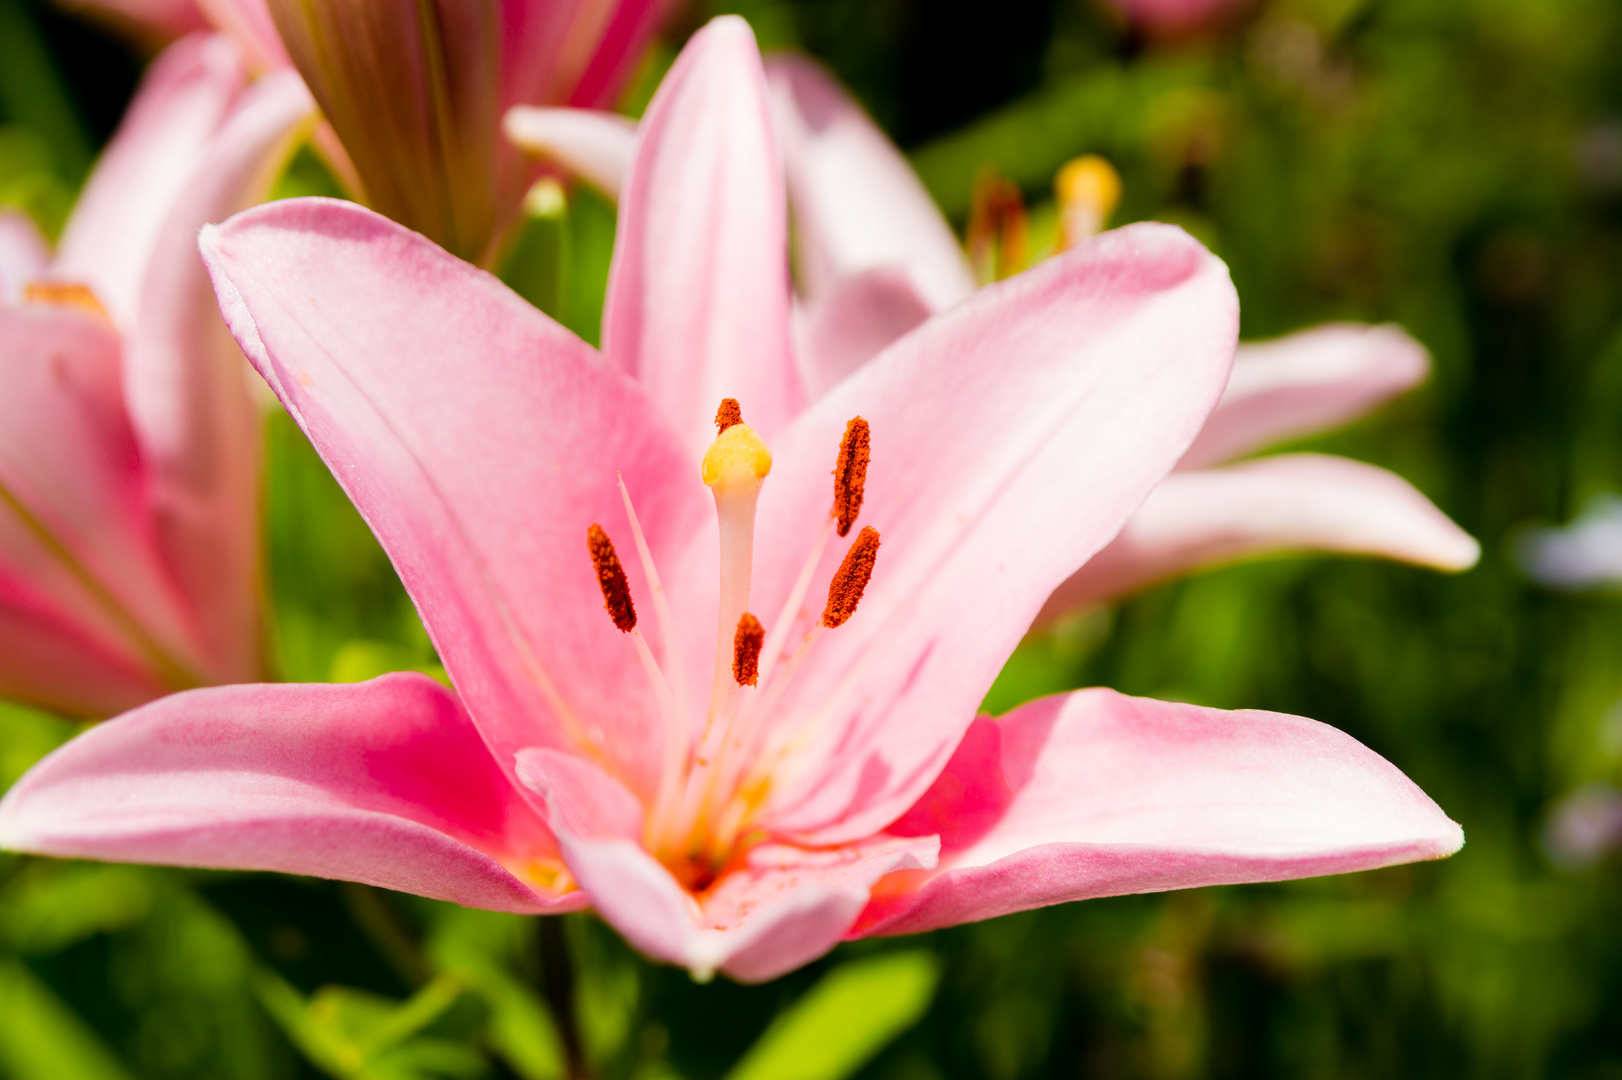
(746, 645)
(611, 579)
(850, 580)
(1088, 190)
(67, 294)
(850, 474)
(728, 414)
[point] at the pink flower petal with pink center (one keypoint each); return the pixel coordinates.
(385, 782)
(697, 304)
(160, 145)
(1098, 794)
(1011, 438)
(1289, 502)
(1307, 382)
(479, 439)
(857, 203)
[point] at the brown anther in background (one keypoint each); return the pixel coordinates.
(611, 578)
(746, 645)
(850, 474)
(728, 414)
(845, 590)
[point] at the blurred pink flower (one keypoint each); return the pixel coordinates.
(753, 790)
(414, 95)
(1174, 18)
(129, 443)
(875, 258)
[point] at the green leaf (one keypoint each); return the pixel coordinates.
(842, 1021)
(42, 1039)
(350, 1033)
(49, 906)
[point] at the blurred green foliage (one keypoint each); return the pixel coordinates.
(1453, 165)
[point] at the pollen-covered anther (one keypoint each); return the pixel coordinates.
(728, 414)
(611, 579)
(746, 645)
(850, 580)
(850, 473)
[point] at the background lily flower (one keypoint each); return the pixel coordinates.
(875, 258)
(736, 798)
(129, 443)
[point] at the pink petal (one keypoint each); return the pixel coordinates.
(160, 144)
(1098, 794)
(697, 304)
(784, 907)
(51, 658)
(616, 53)
(77, 555)
(187, 387)
(857, 203)
(595, 146)
(163, 19)
(853, 321)
(1290, 502)
(251, 27)
(23, 253)
(1307, 382)
(1011, 438)
(479, 439)
(385, 782)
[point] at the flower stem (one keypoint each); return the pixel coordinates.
(557, 986)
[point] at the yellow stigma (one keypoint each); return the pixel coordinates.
(1089, 190)
(737, 455)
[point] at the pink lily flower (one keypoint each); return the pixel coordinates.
(129, 443)
(876, 259)
(731, 771)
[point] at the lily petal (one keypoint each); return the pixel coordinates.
(75, 542)
(784, 907)
(595, 146)
(1289, 502)
(853, 321)
(1011, 438)
(250, 25)
(480, 488)
(698, 297)
(162, 19)
(23, 253)
(186, 386)
(1307, 382)
(161, 143)
(857, 203)
(385, 782)
(1098, 794)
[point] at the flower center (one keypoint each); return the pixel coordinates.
(699, 819)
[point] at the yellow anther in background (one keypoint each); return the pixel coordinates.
(67, 294)
(1088, 189)
(737, 455)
